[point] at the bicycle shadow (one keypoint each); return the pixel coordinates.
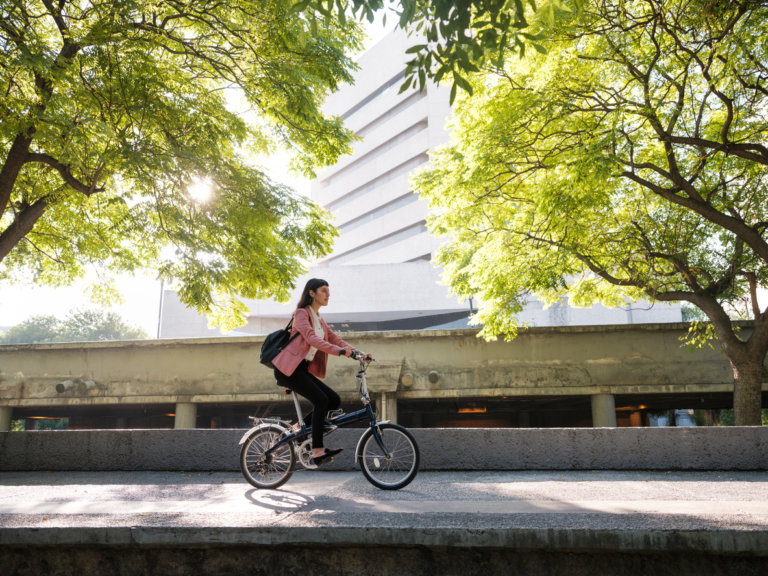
(278, 501)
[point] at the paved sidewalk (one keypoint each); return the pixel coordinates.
(597, 500)
(602, 512)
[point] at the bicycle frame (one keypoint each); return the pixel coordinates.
(367, 413)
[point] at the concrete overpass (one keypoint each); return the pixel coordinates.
(590, 364)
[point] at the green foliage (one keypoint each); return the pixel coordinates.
(727, 418)
(624, 161)
(110, 111)
(700, 334)
(51, 423)
(78, 326)
(691, 313)
(41, 424)
(460, 36)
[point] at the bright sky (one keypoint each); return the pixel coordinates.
(141, 294)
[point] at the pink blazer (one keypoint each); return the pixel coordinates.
(292, 355)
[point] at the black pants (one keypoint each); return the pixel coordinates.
(312, 388)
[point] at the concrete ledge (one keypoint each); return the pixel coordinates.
(717, 448)
(751, 543)
(321, 560)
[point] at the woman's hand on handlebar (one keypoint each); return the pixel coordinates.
(359, 354)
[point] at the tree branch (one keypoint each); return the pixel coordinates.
(66, 174)
(752, 281)
(55, 13)
(753, 239)
(752, 151)
(25, 220)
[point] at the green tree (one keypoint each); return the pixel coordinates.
(78, 326)
(726, 418)
(111, 110)
(626, 160)
(36, 329)
(90, 325)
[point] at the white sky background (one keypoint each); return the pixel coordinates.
(141, 293)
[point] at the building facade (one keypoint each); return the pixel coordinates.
(380, 271)
(379, 218)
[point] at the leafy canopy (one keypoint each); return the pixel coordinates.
(460, 35)
(112, 109)
(626, 160)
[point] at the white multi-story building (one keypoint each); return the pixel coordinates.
(379, 218)
(380, 271)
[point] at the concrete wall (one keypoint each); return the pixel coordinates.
(629, 359)
(441, 449)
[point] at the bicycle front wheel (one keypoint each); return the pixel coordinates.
(397, 465)
(267, 471)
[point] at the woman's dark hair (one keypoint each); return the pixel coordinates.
(312, 284)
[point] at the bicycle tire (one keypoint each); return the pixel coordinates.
(389, 473)
(277, 469)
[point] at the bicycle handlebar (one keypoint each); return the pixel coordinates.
(357, 355)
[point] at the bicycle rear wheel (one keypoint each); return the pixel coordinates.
(271, 471)
(395, 468)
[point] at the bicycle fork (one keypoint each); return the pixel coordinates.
(380, 442)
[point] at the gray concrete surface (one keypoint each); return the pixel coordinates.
(714, 448)
(532, 522)
(578, 361)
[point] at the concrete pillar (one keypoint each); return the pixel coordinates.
(186, 415)
(6, 415)
(603, 411)
(386, 407)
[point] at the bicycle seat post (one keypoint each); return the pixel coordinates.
(299, 414)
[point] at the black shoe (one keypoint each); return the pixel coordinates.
(328, 456)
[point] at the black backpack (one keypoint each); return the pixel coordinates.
(274, 344)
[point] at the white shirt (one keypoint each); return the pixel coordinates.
(319, 330)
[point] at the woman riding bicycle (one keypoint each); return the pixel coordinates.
(302, 362)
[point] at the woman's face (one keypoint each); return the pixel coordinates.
(321, 295)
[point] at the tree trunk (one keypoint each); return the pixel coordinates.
(17, 155)
(747, 391)
(746, 358)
